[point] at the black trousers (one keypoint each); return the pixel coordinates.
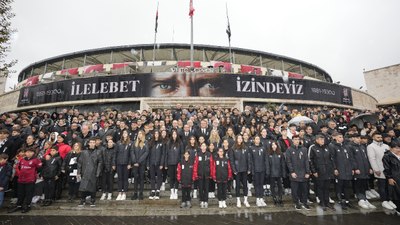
(204, 184)
(383, 189)
(138, 174)
(60, 185)
(276, 187)
(258, 182)
(173, 183)
(155, 177)
(286, 182)
(123, 173)
(241, 177)
(73, 189)
(300, 192)
(221, 193)
(212, 186)
(323, 191)
(49, 184)
(25, 194)
(107, 181)
(360, 187)
(343, 186)
(87, 193)
(186, 194)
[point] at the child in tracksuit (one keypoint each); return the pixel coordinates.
(108, 171)
(50, 173)
(221, 174)
(5, 175)
(276, 170)
(186, 173)
(258, 155)
(204, 163)
(28, 168)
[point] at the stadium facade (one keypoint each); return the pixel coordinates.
(139, 77)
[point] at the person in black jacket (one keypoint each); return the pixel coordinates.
(108, 172)
(5, 175)
(204, 163)
(362, 170)
(70, 168)
(221, 174)
(241, 167)
(50, 172)
(258, 155)
(156, 164)
(122, 163)
(343, 168)
(173, 156)
(391, 164)
(321, 165)
(276, 171)
(192, 147)
(186, 173)
(139, 154)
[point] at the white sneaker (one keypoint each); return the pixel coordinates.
(212, 195)
(220, 204)
(317, 199)
(206, 205)
(175, 194)
(263, 202)
(195, 193)
(103, 197)
(238, 203)
(311, 192)
(162, 188)
(171, 196)
(249, 194)
(209, 195)
(224, 204)
(369, 194)
(123, 197)
(258, 203)
(386, 205)
(109, 196)
(376, 194)
(246, 203)
(119, 197)
(363, 204)
(393, 205)
(331, 201)
(130, 180)
(370, 205)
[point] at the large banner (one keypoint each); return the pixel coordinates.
(184, 84)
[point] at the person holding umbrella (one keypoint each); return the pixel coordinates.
(391, 164)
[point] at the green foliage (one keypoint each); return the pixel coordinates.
(6, 31)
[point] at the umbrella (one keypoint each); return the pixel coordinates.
(362, 118)
(296, 120)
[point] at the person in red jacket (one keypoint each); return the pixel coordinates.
(221, 174)
(63, 148)
(186, 174)
(28, 167)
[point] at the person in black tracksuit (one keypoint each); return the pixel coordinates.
(173, 156)
(241, 167)
(156, 164)
(122, 163)
(70, 167)
(299, 173)
(192, 147)
(321, 165)
(343, 168)
(227, 153)
(108, 170)
(276, 171)
(185, 175)
(258, 155)
(362, 170)
(221, 174)
(391, 164)
(50, 172)
(212, 148)
(204, 163)
(139, 154)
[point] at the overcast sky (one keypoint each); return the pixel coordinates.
(342, 37)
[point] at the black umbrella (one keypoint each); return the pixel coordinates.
(363, 118)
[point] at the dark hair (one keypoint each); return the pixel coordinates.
(278, 149)
(4, 156)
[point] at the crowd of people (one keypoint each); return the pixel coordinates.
(204, 151)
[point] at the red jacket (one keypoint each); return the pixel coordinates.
(28, 170)
(63, 149)
(186, 172)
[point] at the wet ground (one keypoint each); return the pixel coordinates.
(283, 218)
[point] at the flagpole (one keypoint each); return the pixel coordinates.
(229, 37)
(191, 42)
(155, 36)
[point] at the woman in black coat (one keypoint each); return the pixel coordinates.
(391, 163)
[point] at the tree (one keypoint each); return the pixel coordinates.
(6, 31)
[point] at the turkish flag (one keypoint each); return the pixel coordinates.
(32, 81)
(116, 66)
(72, 71)
(191, 9)
(196, 64)
(250, 69)
(227, 66)
(295, 75)
(93, 68)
